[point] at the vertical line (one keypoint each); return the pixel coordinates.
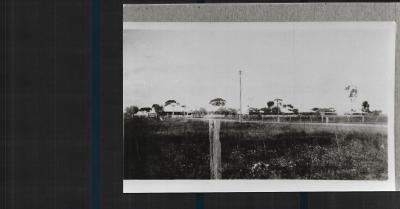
(95, 113)
(55, 103)
(200, 201)
(240, 84)
(303, 200)
(5, 103)
(200, 196)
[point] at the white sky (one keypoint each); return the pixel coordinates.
(305, 64)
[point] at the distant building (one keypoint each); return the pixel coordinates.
(142, 114)
(285, 110)
(326, 111)
(175, 109)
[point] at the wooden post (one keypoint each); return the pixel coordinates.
(215, 149)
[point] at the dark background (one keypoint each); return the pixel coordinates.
(48, 102)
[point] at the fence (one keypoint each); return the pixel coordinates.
(309, 118)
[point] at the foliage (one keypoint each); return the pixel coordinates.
(158, 109)
(146, 109)
(130, 111)
(270, 104)
(232, 111)
(266, 110)
(365, 107)
(168, 102)
(315, 109)
(201, 111)
(276, 110)
(225, 111)
(219, 102)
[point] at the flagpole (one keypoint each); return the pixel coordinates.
(240, 93)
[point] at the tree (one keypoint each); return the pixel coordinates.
(202, 111)
(266, 110)
(158, 109)
(315, 109)
(292, 109)
(270, 104)
(276, 110)
(221, 111)
(168, 102)
(219, 102)
(130, 111)
(146, 109)
(365, 107)
(232, 111)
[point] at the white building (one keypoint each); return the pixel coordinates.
(175, 109)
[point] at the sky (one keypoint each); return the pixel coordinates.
(305, 64)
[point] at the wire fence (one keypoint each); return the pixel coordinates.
(380, 119)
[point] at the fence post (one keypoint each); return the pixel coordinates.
(215, 149)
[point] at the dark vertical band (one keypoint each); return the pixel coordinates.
(96, 89)
(303, 200)
(200, 201)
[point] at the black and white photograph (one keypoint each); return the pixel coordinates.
(258, 106)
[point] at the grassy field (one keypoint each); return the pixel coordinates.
(179, 149)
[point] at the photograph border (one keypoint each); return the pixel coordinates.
(316, 12)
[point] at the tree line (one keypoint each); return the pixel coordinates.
(273, 107)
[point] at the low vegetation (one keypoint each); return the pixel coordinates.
(179, 149)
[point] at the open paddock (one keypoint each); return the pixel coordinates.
(179, 149)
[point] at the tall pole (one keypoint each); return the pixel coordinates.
(240, 106)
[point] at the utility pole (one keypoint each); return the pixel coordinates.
(240, 106)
